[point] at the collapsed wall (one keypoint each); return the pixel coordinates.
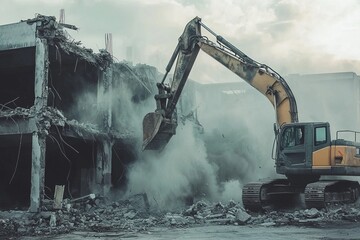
(57, 125)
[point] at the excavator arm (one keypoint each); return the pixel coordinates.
(160, 126)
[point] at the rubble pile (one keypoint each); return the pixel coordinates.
(233, 213)
(96, 214)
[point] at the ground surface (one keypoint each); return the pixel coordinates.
(134, 218)
(328, 232)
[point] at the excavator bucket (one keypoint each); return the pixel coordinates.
(157, 131)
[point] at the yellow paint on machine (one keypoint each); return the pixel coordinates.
(326, 157)
(347, 154)
(322, 157)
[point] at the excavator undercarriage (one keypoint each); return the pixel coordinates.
(257, 196)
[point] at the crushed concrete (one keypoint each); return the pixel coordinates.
(49, 116)
(97, 214)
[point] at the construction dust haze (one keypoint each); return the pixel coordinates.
(234, 148)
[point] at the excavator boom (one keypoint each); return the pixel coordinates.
(160, 126)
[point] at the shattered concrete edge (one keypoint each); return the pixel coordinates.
(48, 28)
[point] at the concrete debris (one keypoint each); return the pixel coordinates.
(56, 35)
(49, 116)
(52, 220)
(136, 215)
(242, 217)
(90, 197)
(312, 213)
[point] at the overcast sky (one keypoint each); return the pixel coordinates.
(290, 36)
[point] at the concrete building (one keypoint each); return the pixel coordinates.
(56, 114)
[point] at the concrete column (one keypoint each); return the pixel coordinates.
(37, 172)
(39, 141)
(103, 165)
(104, 147)
(41, 73)
(104, 97)
(108, 78)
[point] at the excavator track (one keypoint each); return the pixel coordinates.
(251, 196)
(320, 194)
(260, 195)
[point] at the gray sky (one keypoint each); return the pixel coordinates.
(290, 36)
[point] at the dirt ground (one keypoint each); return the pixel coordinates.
(332, 231)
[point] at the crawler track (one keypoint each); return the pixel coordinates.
(260, 195)
(321, 193)
(251, 196)
(279, 192)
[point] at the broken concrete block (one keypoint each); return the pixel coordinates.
(58, 196)
(242, 217)
(52, 222)
(130, 215)
(312, 213)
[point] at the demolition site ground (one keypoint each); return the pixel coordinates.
(94, 217)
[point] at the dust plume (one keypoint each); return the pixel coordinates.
(177, 173)
(234, 148)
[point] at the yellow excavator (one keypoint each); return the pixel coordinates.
(303, 152)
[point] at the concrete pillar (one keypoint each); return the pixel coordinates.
(38, 140)
(104, 97)
(108, 77)
(104, 146)
(37, 172)
(103, 165)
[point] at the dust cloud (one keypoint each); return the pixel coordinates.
(235, 146)
(233, 149)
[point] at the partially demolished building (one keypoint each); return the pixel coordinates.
(56, 114)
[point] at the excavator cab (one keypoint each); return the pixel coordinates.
(297, 144)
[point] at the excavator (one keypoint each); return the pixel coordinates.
(303, 152)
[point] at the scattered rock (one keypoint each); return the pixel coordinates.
(242, 217)
(134, 214)
(130, 215)
(312, 213)
(52, 222)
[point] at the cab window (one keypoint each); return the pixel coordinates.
(320, 135)
(293, 136)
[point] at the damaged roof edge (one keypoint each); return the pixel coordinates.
(24, 34)
(48, 28)
(17, 35)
